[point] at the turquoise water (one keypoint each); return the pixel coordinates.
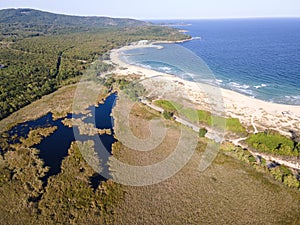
(256, 57)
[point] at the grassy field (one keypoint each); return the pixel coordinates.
(228, 192)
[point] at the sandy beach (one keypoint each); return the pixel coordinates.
(255, 114)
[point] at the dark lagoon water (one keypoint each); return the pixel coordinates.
(54, 148)
(256, 57)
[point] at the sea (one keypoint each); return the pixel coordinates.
(259, 58)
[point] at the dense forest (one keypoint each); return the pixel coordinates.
(28, 22)
(41, 52)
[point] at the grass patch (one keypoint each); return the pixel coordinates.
(234, 125)
(168, 105)
(202, 116)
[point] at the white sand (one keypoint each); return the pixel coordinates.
(249, 110)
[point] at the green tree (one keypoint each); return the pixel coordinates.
(167, 115)
(202, 132)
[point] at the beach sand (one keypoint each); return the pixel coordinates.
(254, 114)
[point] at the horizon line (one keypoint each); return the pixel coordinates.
(171, 18)
(216, 18)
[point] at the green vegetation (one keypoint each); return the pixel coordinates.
(20, 186)
(202, 116)
(128, 85)
(239, 153)
(274, 143)
(205, 117)
(202, 132)
(30, 23)
(68, 197)
(168, 105)
(167, 115)
(225, 186)
(234, 125)
(59, 103)
(39, 58)
(133, 91)
(281, 173)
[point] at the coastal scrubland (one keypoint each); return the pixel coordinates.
(68, 197)
(230, 191)
(237, 188)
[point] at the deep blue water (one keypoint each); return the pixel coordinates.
(256, 57)
(54, 148)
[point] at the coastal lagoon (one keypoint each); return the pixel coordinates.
(54, 148)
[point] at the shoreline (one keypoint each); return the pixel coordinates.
(265, 115)
(172, 42)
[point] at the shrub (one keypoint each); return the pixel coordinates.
(273, 142)
(167, 115)
(202, 132)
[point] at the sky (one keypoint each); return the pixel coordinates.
(164, 9)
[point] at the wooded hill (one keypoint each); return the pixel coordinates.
(40, 51)
(36, 22)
